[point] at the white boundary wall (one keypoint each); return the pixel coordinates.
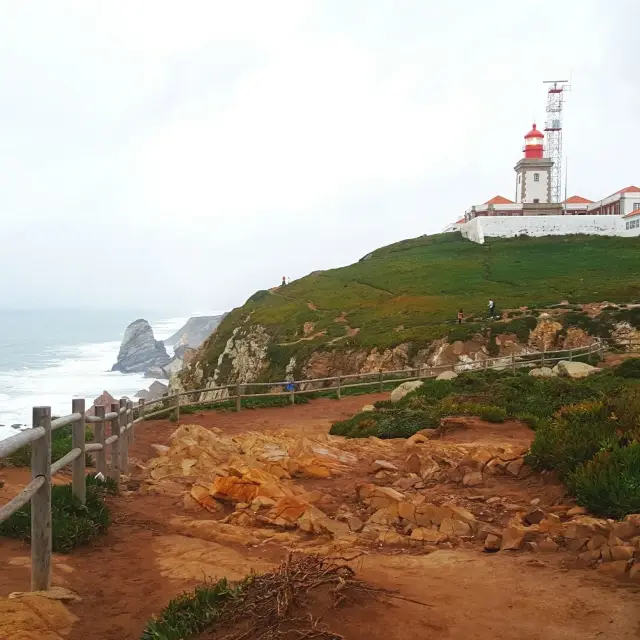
(537, 226)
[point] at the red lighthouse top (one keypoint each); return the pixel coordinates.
(533, 143)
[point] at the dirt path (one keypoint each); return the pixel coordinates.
(149, 556)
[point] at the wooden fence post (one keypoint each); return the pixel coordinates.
(115, 446)
(339, 389)
(141, 409)
(513, 364)
(177, 407)
(381, 381)
(123, 438)
(98, 436)
(544, 350)
(41, 540)
(130, 417)
(238, 397)
(570, 355)
(79, 485)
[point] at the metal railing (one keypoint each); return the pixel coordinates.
(112, 451)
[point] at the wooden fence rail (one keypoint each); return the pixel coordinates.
(112, 451)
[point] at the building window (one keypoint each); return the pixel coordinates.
(627, 227)
(536, 177)
(636, 205)
(536, 200)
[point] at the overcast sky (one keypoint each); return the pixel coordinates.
(184, 154)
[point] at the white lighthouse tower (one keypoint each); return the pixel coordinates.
(533, 171)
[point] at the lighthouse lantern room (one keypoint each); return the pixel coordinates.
(533, 185)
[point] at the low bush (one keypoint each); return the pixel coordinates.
(628, 369)
(394, 423)
(192, 612)
(73, 524)
(492, 414)
(609, 485)
(574, 435)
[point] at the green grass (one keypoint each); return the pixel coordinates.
(629, 368)
(192, 612)
(73, 524)
(410, 292)
(61, 444)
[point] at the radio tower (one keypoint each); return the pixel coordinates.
(553, 129)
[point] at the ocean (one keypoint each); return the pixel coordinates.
(49, 357)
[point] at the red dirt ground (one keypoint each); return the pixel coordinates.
(144, 560)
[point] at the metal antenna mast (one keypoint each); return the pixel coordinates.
(553, 129)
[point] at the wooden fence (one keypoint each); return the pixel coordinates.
(122, 418)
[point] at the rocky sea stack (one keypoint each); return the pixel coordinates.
(140, 352)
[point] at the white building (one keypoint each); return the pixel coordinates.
(534, 214)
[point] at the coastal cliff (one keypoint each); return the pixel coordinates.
(397, 308)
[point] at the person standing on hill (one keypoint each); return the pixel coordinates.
(492, 308)
(460, 316)
(284, 282)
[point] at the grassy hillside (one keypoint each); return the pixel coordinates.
(412, 290)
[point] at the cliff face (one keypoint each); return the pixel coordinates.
(140, 352)
(195, 331)
(397, 309)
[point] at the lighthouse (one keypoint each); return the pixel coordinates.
(533, 171)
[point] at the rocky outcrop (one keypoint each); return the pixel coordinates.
(105, 399)
(139, 350)
(194, 332)
(154, 392)
(405, 388)
(543, 337)
(542, 372)
(574, 369)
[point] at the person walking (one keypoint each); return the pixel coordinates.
(284, 282)
(492, 308)
(460, 316)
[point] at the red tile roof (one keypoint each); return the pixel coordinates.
(578, 200)
(499, 200)
(461, 221)
(630, 189)
(633, 213)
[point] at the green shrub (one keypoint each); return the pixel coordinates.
(395, 423)
(609, 485)
(191, 612)
(73, 524)
(60, 445)
(492, 414)
(626, 409)
(574, 435)
(630, 368)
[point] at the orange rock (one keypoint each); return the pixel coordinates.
(428, 536)
(289, 509)
(413, 463)
(622, 553)
(492, 543)
(455, 528)
(204, 498)
(512, 538)
(234, 489)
